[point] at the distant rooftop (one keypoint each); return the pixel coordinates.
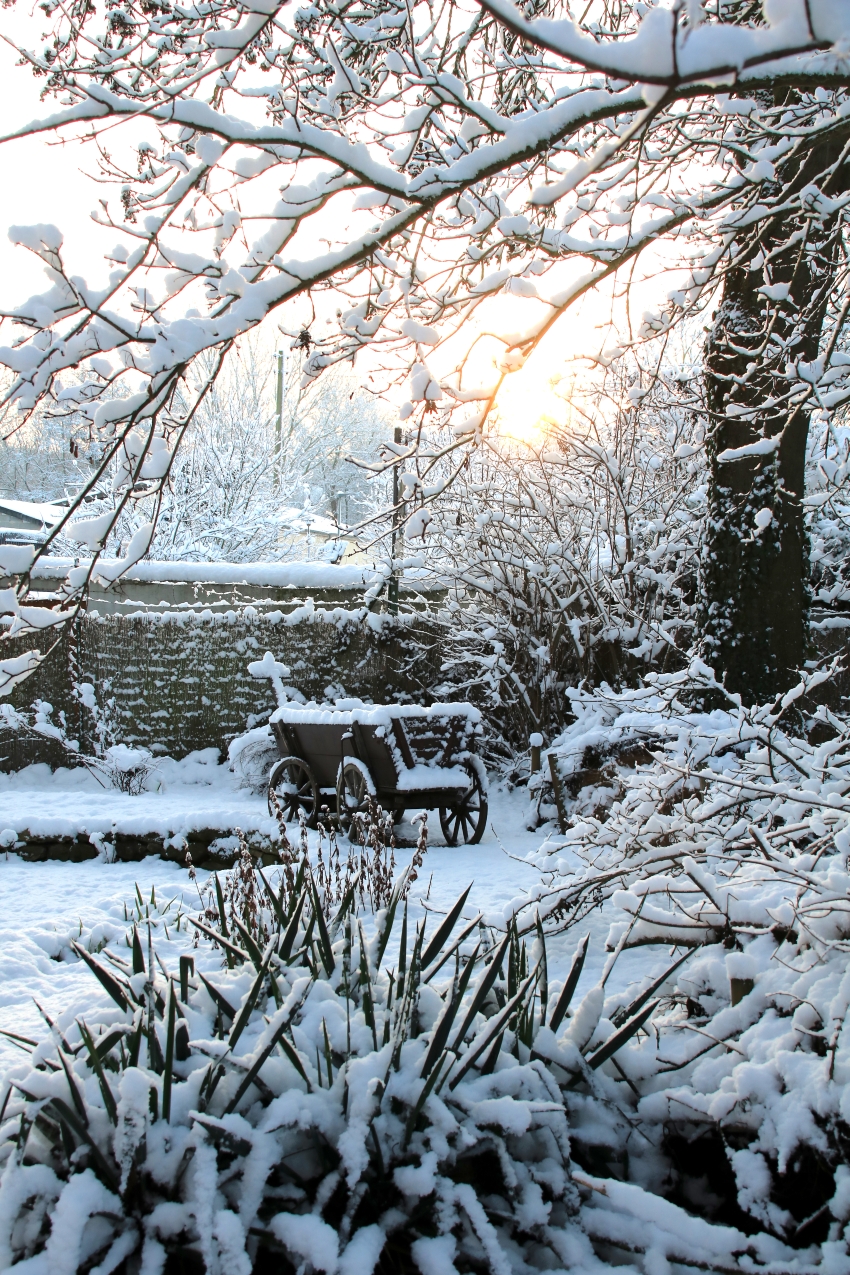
(28, 515)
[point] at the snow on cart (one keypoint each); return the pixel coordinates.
(400, 755)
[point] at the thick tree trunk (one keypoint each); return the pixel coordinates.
(754, 581)
(754, 594)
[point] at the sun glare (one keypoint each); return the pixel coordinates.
(530, 403)
(536, 397)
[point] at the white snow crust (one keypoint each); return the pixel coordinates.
(347, 711)
(312, 575)
(183, 796)
(43, 906)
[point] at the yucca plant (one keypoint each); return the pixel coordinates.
(331, 1100)
(156, 911)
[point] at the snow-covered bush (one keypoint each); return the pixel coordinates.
(329, 1098)
(756, 1060)
(116, 764)
(251, 756)
(128, 768)
(573, 558)
(648, 772)
(725, 831)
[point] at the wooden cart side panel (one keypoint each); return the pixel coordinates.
(375, 752)
(288, 742)
(402, 742)
(322, 749)
(426, 799)
(426, 739)
(438, 742)
(452, 747)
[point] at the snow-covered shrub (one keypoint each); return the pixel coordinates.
(127, 768)
(756, 1058)
(119, 765)
(725, 833)
(330, 1098)
(251, 757)
(650, 774)
(573, 558)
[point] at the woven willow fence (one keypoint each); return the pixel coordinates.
(178, 681)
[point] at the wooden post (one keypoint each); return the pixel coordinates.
(535, 743)
(739, 988)
(559, 793)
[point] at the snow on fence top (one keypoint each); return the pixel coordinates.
(312, 575)
(346, 711)
(308, 612)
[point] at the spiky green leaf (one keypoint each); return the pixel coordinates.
(444, 1025)
(97, 1067)
(615, 1042)
(626, 1012)
(563, 1002)
(444, 930)
(121, 994)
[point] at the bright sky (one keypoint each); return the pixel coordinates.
(41, 183)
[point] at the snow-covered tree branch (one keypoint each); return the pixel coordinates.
(403, 167)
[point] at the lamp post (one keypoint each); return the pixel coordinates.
(278, 419)
(393, 584)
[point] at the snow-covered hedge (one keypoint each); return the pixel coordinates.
(178, 683)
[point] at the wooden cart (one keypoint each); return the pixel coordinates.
(402, 756)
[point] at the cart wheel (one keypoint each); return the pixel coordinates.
(353, 786)
(466, 821)
(293, 783)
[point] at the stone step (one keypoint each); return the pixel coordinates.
(209, 847)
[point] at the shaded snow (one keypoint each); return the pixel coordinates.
(192, 794)
(43, 906)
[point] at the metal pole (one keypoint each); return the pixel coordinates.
(393, 585)
(278, 422)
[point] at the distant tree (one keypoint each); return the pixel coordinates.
(237, 475)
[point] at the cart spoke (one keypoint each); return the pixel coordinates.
(295, 788)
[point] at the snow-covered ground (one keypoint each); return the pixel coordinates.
(185, 795)
(43, 906)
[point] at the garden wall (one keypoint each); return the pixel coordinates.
(178, 681)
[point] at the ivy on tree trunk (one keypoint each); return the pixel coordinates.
(754, 594)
